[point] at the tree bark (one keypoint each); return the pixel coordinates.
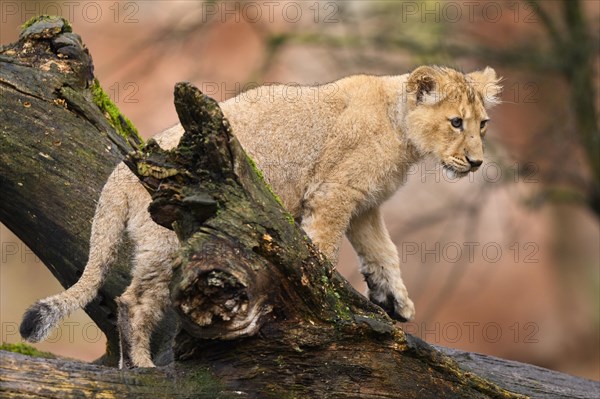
(262, 312)
(29, 377)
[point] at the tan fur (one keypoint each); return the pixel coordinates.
(332, 153)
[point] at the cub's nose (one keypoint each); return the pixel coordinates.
(475, 163)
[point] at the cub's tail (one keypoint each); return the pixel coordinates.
(107, 228)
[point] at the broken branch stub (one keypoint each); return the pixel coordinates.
(219, 290)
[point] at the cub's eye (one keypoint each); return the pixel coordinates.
(483, 124)
(456, 123)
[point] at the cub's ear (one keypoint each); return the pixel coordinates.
(423, 85)
(487, 85)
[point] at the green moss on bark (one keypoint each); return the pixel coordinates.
(260, 174)
(262, 177)
(25, 349)
(122, 125)
(66, 25)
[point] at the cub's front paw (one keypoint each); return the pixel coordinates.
(396, 305)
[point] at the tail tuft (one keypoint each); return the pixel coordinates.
(37, 322)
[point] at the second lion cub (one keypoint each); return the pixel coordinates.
(332, 159)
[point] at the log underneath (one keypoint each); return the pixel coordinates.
(29, 377)
(534, 381)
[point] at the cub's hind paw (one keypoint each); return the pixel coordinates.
(126, 363)
(147, 363)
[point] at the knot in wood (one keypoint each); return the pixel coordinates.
(216, 296)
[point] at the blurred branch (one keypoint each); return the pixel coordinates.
(548, 23)
(526, 55)
(579, 71)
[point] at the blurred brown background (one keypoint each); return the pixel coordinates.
(504, 262)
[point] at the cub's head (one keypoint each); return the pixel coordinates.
(446, 114)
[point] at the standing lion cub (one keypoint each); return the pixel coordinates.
(332, 153)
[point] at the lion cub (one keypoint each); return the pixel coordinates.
(332, 153)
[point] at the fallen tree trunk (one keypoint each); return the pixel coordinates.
(262, 312)
(23, 376)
